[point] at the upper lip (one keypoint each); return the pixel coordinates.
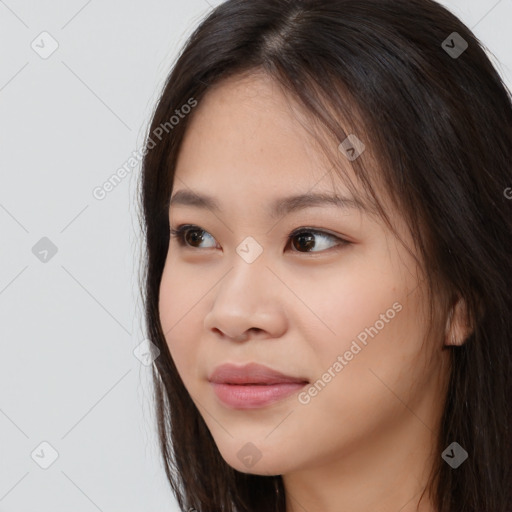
(251, 373)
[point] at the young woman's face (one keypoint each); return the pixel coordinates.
(340, 309)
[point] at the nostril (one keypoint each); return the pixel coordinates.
(240, 337)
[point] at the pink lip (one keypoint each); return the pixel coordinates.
(252, 385)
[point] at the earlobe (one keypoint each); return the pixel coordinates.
(457, 324)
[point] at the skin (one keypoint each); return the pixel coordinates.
(365, 442)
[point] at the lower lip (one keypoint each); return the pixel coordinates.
(253, 396)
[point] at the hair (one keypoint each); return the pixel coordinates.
(440, 128)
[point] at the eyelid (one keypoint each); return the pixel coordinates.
(311, 229)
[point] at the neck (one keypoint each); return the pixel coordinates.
(388, 473)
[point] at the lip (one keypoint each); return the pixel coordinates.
(252, 385)
(251, 373)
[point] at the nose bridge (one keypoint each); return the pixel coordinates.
(244, 288)
(245, 299)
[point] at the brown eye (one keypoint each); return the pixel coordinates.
(303, 241)
(308, 239)
(191, 236)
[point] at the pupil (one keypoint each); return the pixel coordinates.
(194, 237)
(307, 241)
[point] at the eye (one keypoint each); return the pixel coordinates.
(189, 235)
(302, 240)
(308, 238)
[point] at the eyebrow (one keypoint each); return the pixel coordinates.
(278, 208)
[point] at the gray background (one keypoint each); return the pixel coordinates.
(70, 321)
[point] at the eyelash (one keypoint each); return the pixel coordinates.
(180, 232)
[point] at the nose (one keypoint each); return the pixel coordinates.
(248, 302)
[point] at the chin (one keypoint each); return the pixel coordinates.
(252, 458)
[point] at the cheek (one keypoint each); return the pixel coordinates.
(356, 305)
(376, 322)
(382, 357)
(180, 301)
(369, 390)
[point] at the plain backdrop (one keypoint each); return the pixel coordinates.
(73, 395)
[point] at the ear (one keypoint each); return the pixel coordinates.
(458, 328)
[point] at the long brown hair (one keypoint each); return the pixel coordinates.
(439, 118)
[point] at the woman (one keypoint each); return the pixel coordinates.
(327, 275)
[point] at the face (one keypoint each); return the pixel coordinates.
(320, 292)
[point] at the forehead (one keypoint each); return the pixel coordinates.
(247, 131)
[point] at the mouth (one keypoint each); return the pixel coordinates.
(253, 385)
